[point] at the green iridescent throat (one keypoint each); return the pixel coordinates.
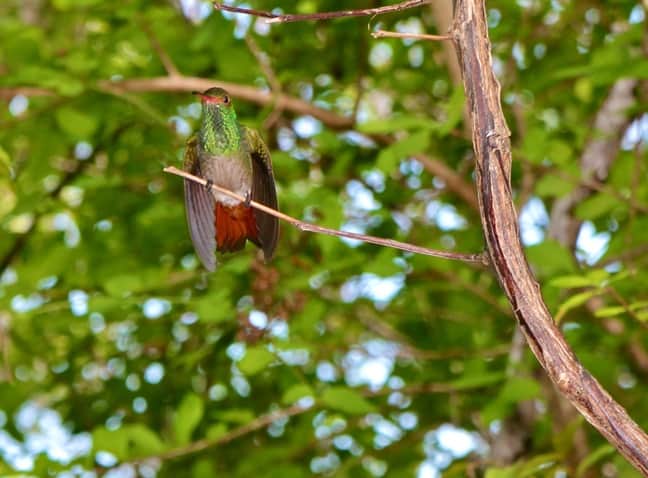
(220, 131)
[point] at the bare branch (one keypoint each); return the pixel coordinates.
(305, 226)
(297, 409)
(248, 93)
(6, 374)
(596, 160)
(332, 120)
(254, 425)
(10, 92)
(451, 178)
(164, 57)
(273, 81)
(412, 36)
(493, 173)
(264, 63)
(285, 18)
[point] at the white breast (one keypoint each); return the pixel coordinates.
(230, 173)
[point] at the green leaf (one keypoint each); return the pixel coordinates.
(8, 198)
(597, 455)
(392, 125)
(77, 124)
(122, 285)
(549, 258)
(454, 111)
(187, 417)
(512, 392)
(478, 381)
(69, 4)
(560, 152)
(391, 156)
(574, 301)
(255, 360)
(553, 186)
(240, 416)
(203, 469)
(596, 206)
(112, 441)
(5, 160)
(383, 264)
(612, 311)
(296, 392)
(571, 282)
(346, 400)
(524, 469)
(520, 389)
(142, 441)
(216, 306)
(214, 432)
(128, 441)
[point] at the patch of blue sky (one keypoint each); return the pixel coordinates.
(18, 105)
(533, 221)
(196, 10)
(445, 216)
(243, 21)
(43, 433)
(306, 126)
(154, 308)
(380, 290)
(21, 303)
(361, 197)
(636, 133)
(371, 364)
(78, 300)
(591, 244)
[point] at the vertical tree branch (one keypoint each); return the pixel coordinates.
(499, 219)
(599, 154)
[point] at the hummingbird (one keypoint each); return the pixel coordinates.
(230, 155)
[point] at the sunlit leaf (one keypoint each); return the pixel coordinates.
(187, 417)
(346, 400)
(255, 360)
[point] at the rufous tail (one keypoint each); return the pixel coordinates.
(234, 225)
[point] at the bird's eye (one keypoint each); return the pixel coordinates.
(226, 99)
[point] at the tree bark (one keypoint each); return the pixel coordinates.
(499, 220)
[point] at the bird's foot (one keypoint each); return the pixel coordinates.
(209, 184)
(248, 199)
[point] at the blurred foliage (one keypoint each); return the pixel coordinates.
(120, 355)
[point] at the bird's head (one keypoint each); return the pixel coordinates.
(215, 97)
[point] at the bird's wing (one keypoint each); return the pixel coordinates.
(199, 204)
(263, 191)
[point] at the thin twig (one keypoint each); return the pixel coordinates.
(305, 226)
(11, 91)
(5, 338)
(164, 57)
(285, 18)
(264, 63)
(298, 409)
(411, 36)
(254, 425)
(619, 298)
(273, 81)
